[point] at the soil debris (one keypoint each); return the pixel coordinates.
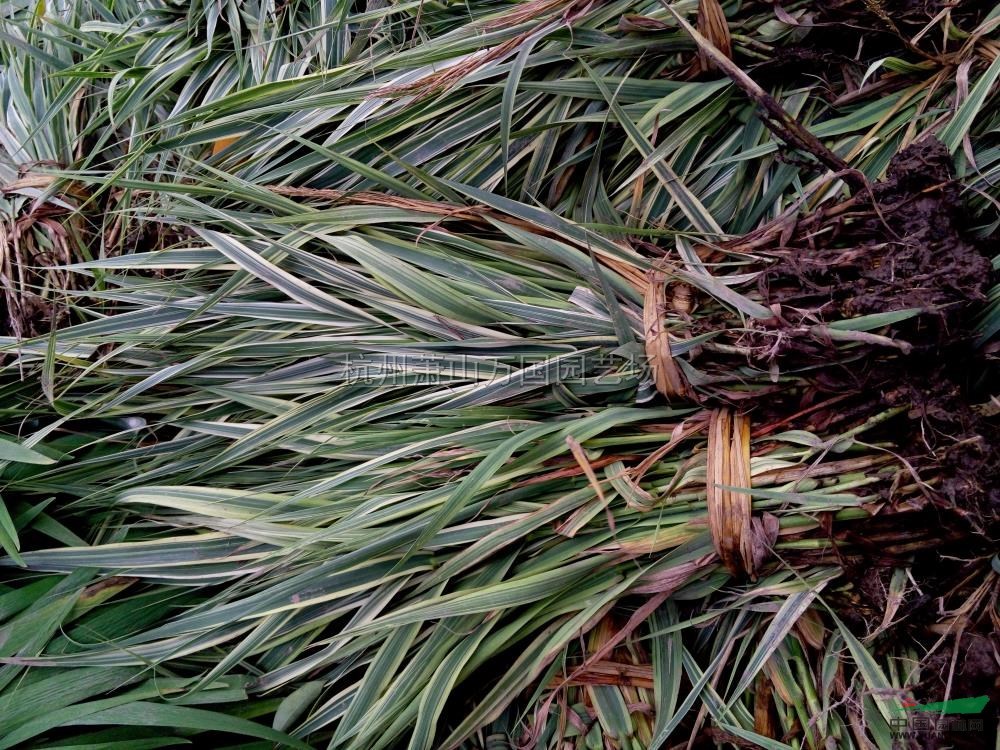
(906, 250)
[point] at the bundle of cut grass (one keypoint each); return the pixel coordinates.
(555, 374)
(520, 557)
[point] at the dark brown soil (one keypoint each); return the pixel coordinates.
(907, 249)
(899, 246)
(845, 36)
(893, 11)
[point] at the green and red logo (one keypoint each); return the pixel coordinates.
(954, 706)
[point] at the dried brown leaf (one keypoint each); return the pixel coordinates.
(666, 374)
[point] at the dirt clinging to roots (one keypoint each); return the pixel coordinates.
(905, 249)
(902, 247)
(841, 38)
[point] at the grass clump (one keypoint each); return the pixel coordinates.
(590, 375)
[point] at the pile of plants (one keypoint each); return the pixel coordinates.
(498, 375)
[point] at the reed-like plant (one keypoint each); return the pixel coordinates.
(441, 375)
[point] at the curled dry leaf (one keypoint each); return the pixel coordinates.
(713, 26)
(669, 580)
(763, 534)
(667, 377)
(635, 23)
(729, 510)
(765, 723)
